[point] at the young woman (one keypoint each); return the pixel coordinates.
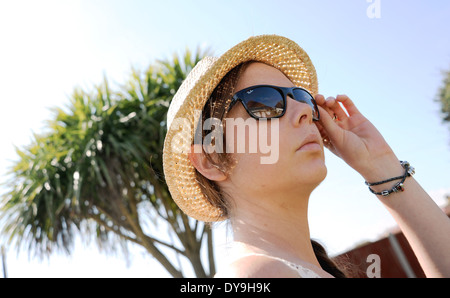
(268, 83)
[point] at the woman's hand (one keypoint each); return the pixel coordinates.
(349, 135)
(354, 139)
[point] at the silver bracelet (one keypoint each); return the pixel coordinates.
(398, 187)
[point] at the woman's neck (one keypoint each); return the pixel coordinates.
(278, 229)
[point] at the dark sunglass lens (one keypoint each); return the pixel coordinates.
(303, 96)
(264, 102)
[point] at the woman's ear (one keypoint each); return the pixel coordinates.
(203, 164)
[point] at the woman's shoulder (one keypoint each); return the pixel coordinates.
(258, 266)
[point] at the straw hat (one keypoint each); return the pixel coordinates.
(183, 114)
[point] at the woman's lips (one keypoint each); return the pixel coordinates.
(311, 142)
(311, 146)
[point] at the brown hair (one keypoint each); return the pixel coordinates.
(216, 107)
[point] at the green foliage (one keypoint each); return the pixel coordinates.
(98, 172)
(444, 97)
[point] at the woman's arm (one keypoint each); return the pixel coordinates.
(353, 138)
(423, 223)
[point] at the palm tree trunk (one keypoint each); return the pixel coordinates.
(212, 266)
(162, 259)
(196, 262)
(3, 253)
(147, 242)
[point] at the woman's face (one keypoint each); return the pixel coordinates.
(296, 162)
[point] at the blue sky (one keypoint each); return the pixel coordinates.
(390, 66)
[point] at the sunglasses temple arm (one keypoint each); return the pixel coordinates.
(232, 103)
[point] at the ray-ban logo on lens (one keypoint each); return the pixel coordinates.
(249, 91)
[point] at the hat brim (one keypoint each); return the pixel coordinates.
(277, 51)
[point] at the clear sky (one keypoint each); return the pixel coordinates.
(390, 66)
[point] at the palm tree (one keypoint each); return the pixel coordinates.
(3, 255)
(444, 97)
(97, 172)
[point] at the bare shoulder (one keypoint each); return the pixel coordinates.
(258, 266)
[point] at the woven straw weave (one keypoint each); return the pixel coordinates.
(273, 50)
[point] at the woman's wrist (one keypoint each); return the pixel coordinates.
(398, 187)
(382, 169)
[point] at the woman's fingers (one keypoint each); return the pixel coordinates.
(334, 113)
(320, 99)
(321, 102)
(337, 109)
(348, 104)
(327, 118)
(328, 126)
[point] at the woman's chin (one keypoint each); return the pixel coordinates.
(314, 174)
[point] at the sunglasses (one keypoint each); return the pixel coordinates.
(266, 101)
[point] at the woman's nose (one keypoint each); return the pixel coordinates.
(299, 112)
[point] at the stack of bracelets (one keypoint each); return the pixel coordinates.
(409, 171)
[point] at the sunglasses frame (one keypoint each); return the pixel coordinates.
(284, 91)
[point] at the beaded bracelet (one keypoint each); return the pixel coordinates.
(409, 171)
